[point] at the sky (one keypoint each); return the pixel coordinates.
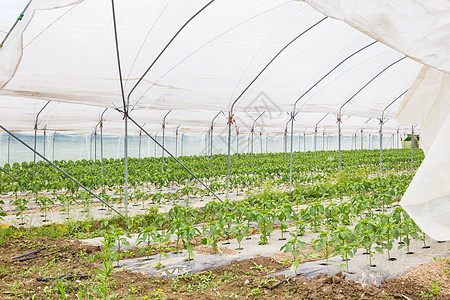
(9, 11)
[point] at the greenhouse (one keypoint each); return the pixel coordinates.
(277, 149)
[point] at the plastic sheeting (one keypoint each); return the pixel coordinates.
(208, 65)
(21, 114)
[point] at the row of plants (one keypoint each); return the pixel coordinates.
(62, 191)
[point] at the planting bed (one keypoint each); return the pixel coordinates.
(325, 218)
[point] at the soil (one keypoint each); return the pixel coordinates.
(245, 279)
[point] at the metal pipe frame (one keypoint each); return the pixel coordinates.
(381, 130)
(176, 141)
(182, 143)
(53, 150)
(231, 113)
(15, 24)
(323, 142)
(260, 142)
(35, 138)
(163, 137)
(252, 134)
(140, 142)
(294, 113)
(315, 136)
(339, 116)
(101, 139)
(9, 147)
(59, 169)
(211, 138)
(176, 159)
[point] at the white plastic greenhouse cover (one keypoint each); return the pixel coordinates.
(64, 50)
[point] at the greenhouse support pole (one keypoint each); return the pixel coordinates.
(176, 141)
(381, 129)
(381, 145)
(125, 103)
(9, 146)
(53, 150)
(95, 149)
(299, 143)
(323, 77)
(45, 136)
(315, 137)
(206, 144)
(267, 142)
(398, 138)
(370, 142)
(230, 121)
(35, 137)
(304, 141)
(125, 153)
(237, 146)
(339, 143)
(101, 140)
(211, 138)
(260, 142)
(292, 119)
(323, 142)
(362, 141)
(139, 146)
(163, 138)
(182, 144)
(252, 136)
(156, 138)
(140, 143)
(339, 116)
(254, 79)
(59, 169)
(176, 159)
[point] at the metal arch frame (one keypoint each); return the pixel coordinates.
(231, 113)
(35, 137)
(381, 129)
(293, 113)
(127, 102)
(181, 145)
(15, 24)
(252, 135)
(171, 155)
(339, 115)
